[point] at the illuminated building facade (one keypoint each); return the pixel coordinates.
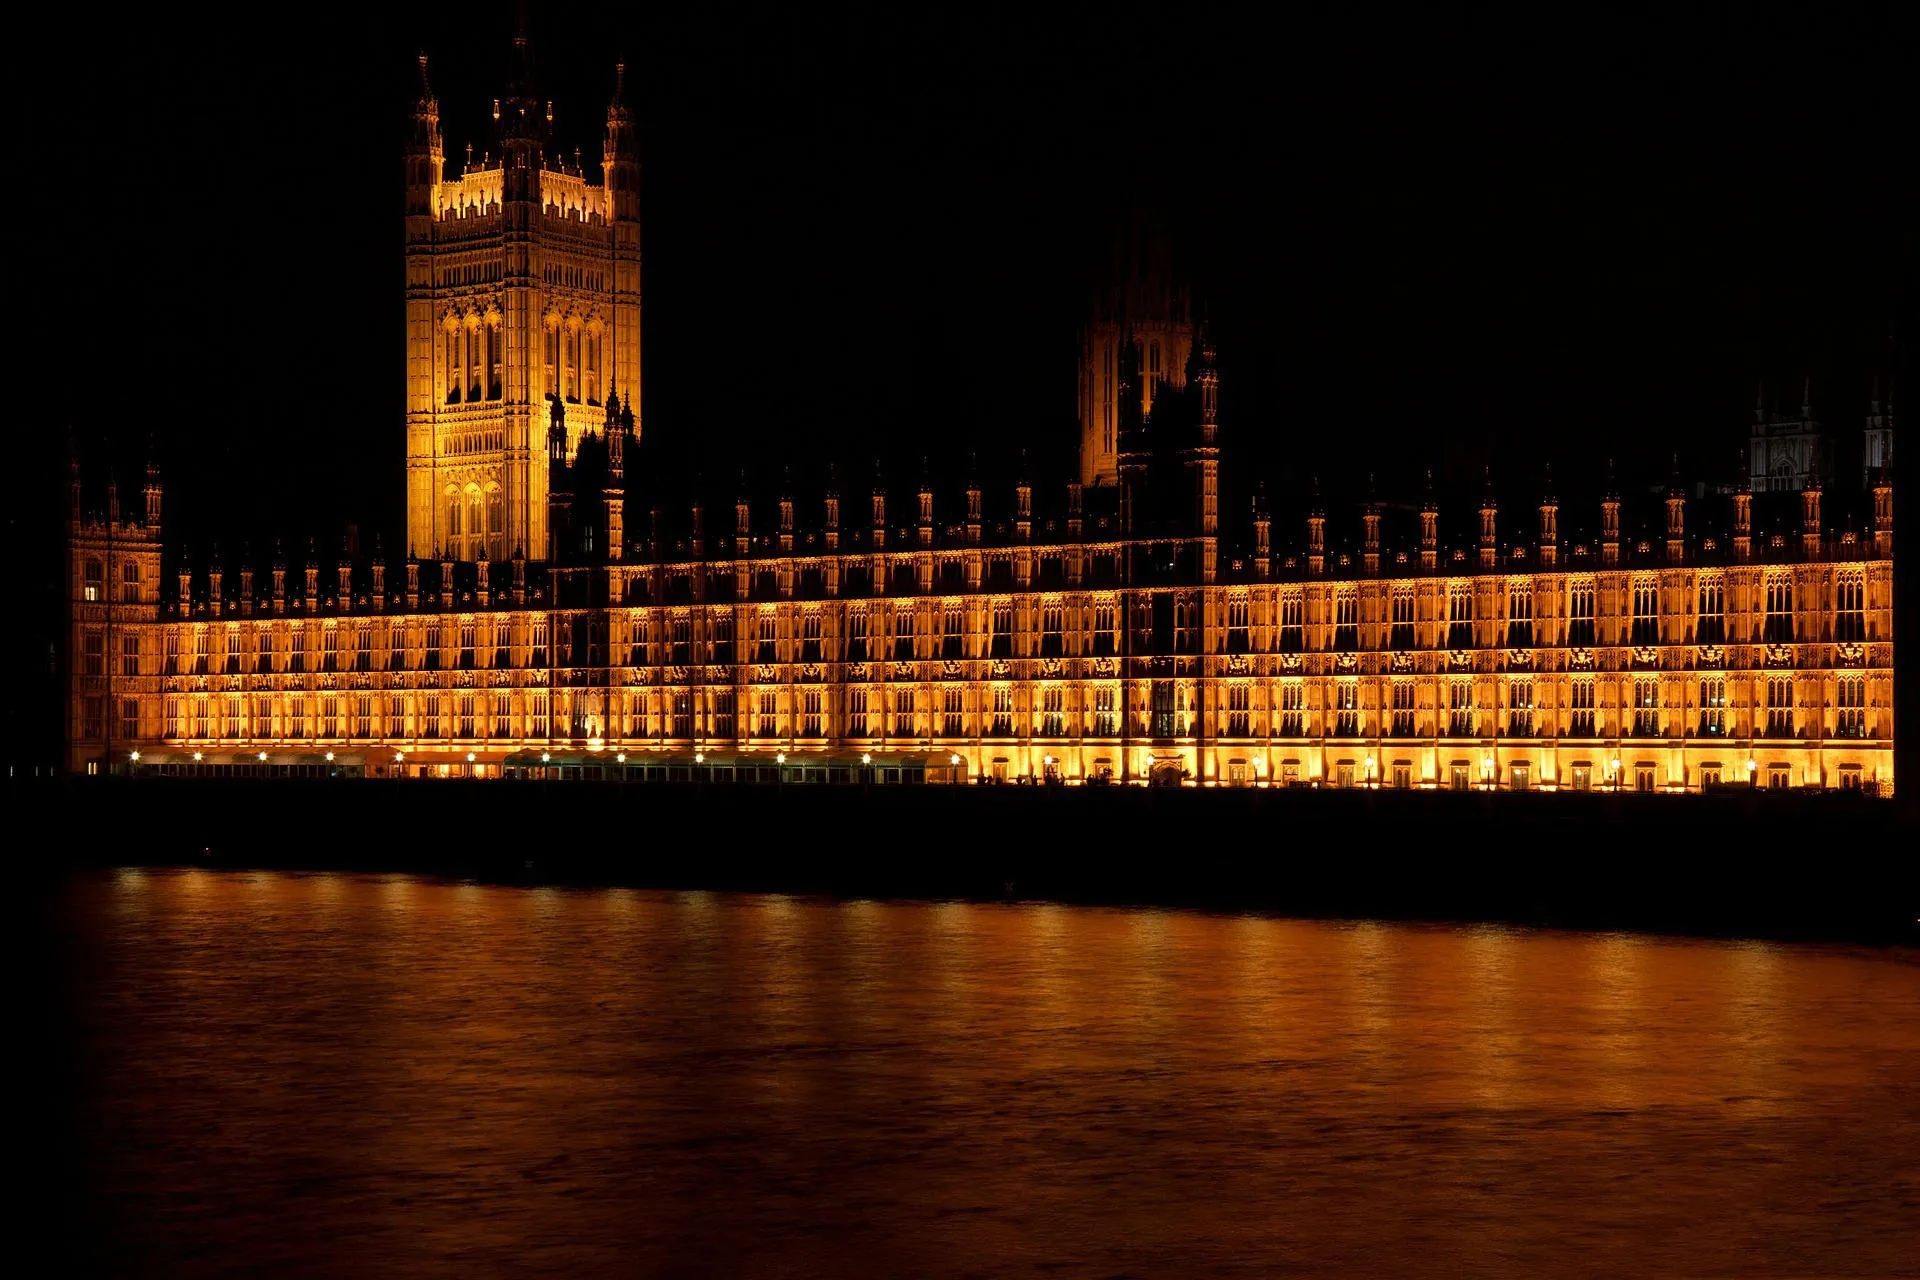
(1115, 639)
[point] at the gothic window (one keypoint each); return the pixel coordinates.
(1292, 721)
(1779, 706)
(856, 713)
(1346, 704)
(503, 716)
(1646, 707)
(903, 701)
(1237, 624)
(811, 709)
(1580, 614)
(857, 636)
(1002, 723)
(1849, 607)
(1053, 721)
(1520, 613)
(723, 714)
(1520, 709)
(1105, 630)
(1239, 702)
(1001, 642)
(1710, 612)
(1346, 620)
(768, 649)
(1105, 723)
(1051, 642)
(1460, 708)
(129, 653)
(1292, 634)
(1646, 612)
(810, 637)
(1165, 715)
(1460, 615)
(952, 700)
(1779, 609)
(1402, 636)
(1851, 700)
(496, 523)
(130, 582)
(903, 633)
(953, 638)
(1713, 706)
(453, 365)
(93, 591)
(766, 722)
(1403, 708)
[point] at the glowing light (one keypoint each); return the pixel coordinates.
(134, 756)
(399, 756)
(1752, 765)
(1614, 764)
(780, 758)
(866, 757)
(470, 757)
(546, 757)
(197, 757)
(621, 758)
(1049, 761)
(263, 757)
(329, 757)
(699, 757)
(953, 759)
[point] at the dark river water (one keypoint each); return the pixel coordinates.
(342, 1075)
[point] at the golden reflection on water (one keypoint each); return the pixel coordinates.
(397, 1076)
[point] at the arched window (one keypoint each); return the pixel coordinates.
(453, 520)
(476, 524)
(496, 523)
(453, 366)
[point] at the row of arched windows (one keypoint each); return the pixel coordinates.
(476, 522)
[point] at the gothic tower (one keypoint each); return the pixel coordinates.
(1144, 291)
(523, 292)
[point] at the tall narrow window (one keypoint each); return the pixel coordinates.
(1779, 706)
(1459, 615)
(952, 700)
(1402, 634)
(1404, 693)
(1779, 609)
(1239, 702)
(1292, 720)
(1520, 709)
(1292, 633)
(1646, 707)
(1520, 613)
(1710, 612)
(1580, 615)
(1346, 709)
(1460, 708)
(1346, 620)
(1646, 612)
(1105, 723)
(1053, 720)
(1850, 607)
(1713, 706)
(1580, 709)
(1850, 699)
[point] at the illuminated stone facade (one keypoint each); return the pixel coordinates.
(523, 289)
(1114, 642)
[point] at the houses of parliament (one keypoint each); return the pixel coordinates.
(1122, 630)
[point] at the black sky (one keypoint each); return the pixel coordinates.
(1452, 240)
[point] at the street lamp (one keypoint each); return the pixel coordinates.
(780, 757)
(263, 757)
(866, 757)
(330, 757)
(134, 756)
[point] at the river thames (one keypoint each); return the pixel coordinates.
(391, 1076)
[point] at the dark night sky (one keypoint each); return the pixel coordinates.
(1460, 240)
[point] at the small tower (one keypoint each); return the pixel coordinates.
(1883, 508)
(1549, 549)
(1489, 525)
(279, 572)
(153, 491)
(925, 497)
(973, 503)
(1023, 502)
(313, 578)
(216, 577)
(1429, 529)
(1810, 516)
(1316, 534)
(1610, 521)
(1262, 535)
(833, 510)
(1676, 516)
(1743, 513)
(1370, 531)
(742, 519)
